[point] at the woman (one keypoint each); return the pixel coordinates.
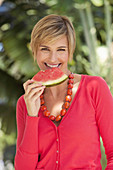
(72, 142)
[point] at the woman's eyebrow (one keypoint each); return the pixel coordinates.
(44, 46)
(62, 47)
(49, 47)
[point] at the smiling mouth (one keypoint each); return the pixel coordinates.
(52, 65)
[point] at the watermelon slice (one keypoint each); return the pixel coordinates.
(50, 77)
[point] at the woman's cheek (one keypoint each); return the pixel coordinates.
(63, 56)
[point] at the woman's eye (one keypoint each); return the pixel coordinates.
(44, 49)
(61, 49)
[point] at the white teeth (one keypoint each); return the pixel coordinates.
(56, 65)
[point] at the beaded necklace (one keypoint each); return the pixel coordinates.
(66, 105)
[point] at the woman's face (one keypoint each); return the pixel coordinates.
(53, 55)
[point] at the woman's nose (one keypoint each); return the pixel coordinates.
(53, 56)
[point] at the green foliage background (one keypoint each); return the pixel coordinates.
(93, 24)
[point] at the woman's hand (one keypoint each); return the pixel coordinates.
(32, 96)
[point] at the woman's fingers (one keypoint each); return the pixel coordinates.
(28, 82)
(37, 95)
(33, 90)
(30, 85)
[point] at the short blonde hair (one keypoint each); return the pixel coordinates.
(51, 28)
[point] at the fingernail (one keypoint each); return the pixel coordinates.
(44, 86)
(32, 80)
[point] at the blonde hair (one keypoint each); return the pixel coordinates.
(51, 28)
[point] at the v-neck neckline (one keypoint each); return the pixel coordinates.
(74, 98)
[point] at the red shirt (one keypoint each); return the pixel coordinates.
(75, 143)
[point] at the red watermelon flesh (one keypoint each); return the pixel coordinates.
(50, 77)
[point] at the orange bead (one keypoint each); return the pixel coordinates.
(70, 81)
(66, 105)
(41, 96)
(70, 86)
(42, 101)
(69, 91)
(46, 113)
(63, 112)
(52, 117)
(68, 98)
(43, 108)
(58, 118)
(71, 76)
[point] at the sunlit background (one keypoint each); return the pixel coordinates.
(93, 24)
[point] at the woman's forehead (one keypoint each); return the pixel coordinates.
(61, 41)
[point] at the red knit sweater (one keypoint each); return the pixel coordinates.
(75, 143)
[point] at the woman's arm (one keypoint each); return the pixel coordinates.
(27, 140)
(27, 127)
(104, 117)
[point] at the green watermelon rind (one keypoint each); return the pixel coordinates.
(50, 83)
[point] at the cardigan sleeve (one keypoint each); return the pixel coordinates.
(104, 117)
(27, 139)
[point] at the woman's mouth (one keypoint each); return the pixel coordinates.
(52, 65)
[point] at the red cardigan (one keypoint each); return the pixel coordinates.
(75, 143)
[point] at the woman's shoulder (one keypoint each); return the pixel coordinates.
(94, 79)
(21, 108)
(21, 103)
(21, 100)
(90, 80)
(95, 83)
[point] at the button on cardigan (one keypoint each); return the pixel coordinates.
(75, 143)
